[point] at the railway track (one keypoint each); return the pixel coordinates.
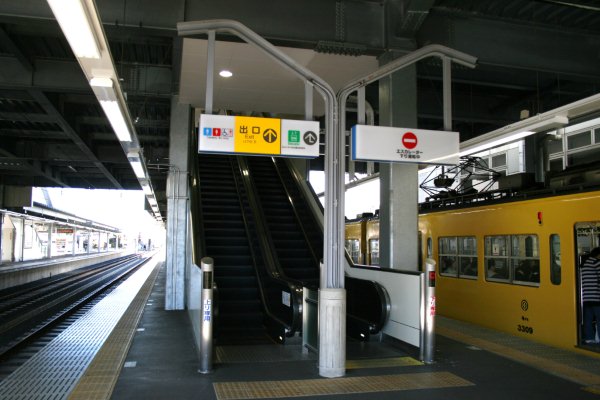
(31, 315)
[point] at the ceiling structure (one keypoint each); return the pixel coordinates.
(533, 55)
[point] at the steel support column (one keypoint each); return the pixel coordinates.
(178, 253)
(398, 182)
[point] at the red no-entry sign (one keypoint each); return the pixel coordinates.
(409, 140)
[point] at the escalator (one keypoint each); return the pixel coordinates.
(298, 241)
(253, 219)
(296, 255)
(240, 313)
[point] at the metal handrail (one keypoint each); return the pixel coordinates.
(368, 287)
(301, 223)
(332, 276)
(447, 55)
(196, 218)
(273, 267)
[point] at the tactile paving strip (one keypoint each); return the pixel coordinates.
(53, 372)
(337, 386)
(101, 376)
(382, 363)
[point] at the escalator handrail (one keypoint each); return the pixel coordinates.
(195, 213)
(264, 231)
(301, 222)
(306, 190)
(273, 268)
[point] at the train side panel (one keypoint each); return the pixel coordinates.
(546, 312)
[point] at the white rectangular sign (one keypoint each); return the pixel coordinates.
(404, 145)
(262, 136)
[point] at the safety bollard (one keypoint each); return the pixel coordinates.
(206, 328)
(429, 300)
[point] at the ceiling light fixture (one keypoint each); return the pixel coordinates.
(511, 133)
(74, 20)
(105, 92)
(226, 73)
(146, 188)
(136, 164)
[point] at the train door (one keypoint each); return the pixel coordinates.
(587, 237)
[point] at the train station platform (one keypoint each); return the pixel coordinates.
(22, 272)
(129, 347)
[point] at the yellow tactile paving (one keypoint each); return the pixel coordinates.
(577, 375)
(98, 381)
(382, 362)
(316, 387)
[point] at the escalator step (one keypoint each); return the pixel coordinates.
(236, 270)
(232, 259)
(237, 293)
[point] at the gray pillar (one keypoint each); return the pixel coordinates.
(73, 241)
(398, 224)
(177, 205)
(49, 249)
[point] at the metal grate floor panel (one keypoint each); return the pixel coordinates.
(54, 371)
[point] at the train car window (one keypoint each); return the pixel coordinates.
(513, 259)
(448, 250)
(597, 135)
(496, 258)
(353, 248)
(555, 261)
(525, 259)
(374, 251)
(497, 269)
(467, 250)
(458, 256)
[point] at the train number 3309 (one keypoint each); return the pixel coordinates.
(525, 329)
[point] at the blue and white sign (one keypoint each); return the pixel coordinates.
(404, 145)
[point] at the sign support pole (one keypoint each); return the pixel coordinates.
(210, 72)
(447, 92)
(332, 275)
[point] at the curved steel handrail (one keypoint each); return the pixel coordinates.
(332, 276)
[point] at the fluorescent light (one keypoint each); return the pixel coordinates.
(135, 160)
(104, 90)
(116, 119)
(511, 133)
(146, 188)
(226, 74)
(102, 82)
(74, 20)
(138, 170)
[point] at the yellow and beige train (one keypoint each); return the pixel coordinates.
(510, 266)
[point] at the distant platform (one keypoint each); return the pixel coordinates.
(18, 273)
